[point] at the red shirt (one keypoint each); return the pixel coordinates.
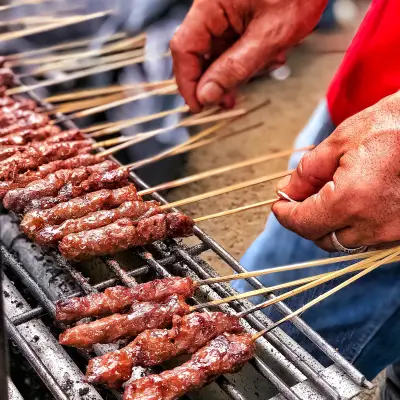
(371, 67)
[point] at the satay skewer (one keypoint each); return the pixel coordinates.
(221, 170)
(323, 279)
(387, 259)
(82, 74)
(65, 46)
(51, 26)
(170, 89)
(71, 65)
(121, 44)
(92, 92)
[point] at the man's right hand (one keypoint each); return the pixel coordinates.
(223, 43)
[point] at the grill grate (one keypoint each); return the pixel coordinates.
(283, 363)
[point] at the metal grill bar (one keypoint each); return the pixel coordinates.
(35, 361)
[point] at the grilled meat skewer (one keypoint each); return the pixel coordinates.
(39, 154)
(26, 136)
(18, 199)
(146, 315)
(22, 180)
(124, 234)
(130, 209)
(112, 179)
(153, 347)
(6, 151)
(36, 220)
(224, 355)
(120, 298)
(30, 121)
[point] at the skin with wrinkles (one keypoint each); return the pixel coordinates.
(223, 43)
(349, 183)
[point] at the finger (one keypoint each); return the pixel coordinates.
(349, 237)
(192, 44)
(316, 168)
(248, 56)
(315, 217)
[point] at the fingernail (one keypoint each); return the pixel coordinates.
(284, 196)
(211, 93)
(283, 182)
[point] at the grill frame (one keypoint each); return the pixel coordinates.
(175, 254)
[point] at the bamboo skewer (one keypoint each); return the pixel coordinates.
(292, 267)
(236, 210)
(158, 91)
(322, 297)
(21, 3)
(83, 94)
(81, 74)
(136, 121)
(124, 43)
(183, 147)
(225, 190)
(222, 170)
(66, 46)
(323, 279)
(74, 106)
(51, 26)
(71, 65)
(147, 135)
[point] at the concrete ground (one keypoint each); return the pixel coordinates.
(292, 101)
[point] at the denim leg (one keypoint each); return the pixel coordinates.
(390, 389)
(362, 320)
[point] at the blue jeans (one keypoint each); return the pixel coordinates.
(362, 320)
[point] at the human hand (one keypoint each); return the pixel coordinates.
(350, 183)
(223, 43)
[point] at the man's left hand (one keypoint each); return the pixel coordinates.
(350, 183)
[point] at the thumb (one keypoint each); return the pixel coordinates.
(315, 169)
(249, 55)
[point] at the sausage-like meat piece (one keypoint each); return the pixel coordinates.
(131, 209)
(22, 180)
(123, 235)
(18, 199)
(36, 220)
(153, 347)
(119, 298)
(146, 315)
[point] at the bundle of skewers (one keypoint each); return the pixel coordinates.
(70, 195)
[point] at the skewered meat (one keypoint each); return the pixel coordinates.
(6, 151)
(32, 121)
(35, 220)
(124, 234)
(20, 104)
(30, 135)
(101, 180)
(223, 355)
(41, 153)
(22, 180)
(142, 316)
(18, 199)
(153, 347)
(10, 118)
(119, 298)
(7, 101)
(129, 209)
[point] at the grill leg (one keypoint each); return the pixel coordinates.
(3, 342)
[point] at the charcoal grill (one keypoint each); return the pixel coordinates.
(281, 370)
